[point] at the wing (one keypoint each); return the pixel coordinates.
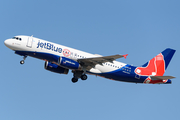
(89, 63)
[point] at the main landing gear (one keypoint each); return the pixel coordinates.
(22, 61)
(77, 75)
(75, 79)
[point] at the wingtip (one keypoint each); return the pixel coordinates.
(125, 56)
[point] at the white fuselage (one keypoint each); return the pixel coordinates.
(60, 59)
(32, 44)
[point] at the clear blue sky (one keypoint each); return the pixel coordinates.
(140, 28)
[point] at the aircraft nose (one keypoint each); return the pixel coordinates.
(7, 42)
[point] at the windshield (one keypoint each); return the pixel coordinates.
(17, 38)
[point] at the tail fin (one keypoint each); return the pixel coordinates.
(157, 65)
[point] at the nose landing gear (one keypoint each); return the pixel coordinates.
(22, 61)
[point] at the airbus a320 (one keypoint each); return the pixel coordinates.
(60, 59)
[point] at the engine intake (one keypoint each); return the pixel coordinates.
(55, 68)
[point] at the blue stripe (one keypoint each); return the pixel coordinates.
(125, 73)
(39, 55)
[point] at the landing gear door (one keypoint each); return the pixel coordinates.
(29, 42)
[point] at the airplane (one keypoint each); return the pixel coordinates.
(60, 59)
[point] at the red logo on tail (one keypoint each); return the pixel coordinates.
(155, 67)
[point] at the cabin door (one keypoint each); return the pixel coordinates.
(29, 42)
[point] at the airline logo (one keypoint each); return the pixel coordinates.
(70, 62)
(66, 53)
(49, 46)
(155, 67)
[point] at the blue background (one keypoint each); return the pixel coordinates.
(140, 28)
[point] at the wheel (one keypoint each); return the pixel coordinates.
(22, 62)
(74, 80)
(84, 77)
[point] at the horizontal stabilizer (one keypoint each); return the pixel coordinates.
(161, 77)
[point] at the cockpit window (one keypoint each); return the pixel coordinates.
(17, 38)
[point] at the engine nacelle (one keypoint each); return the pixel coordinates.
(68, 63)
(55, 68)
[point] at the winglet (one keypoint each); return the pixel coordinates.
(125, 56)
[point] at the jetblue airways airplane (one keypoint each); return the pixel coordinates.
(60, 59)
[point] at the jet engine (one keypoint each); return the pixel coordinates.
(68, 63)
(55, 68)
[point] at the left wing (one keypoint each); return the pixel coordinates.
(89, 63)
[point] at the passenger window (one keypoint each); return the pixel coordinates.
(75, 55)
(71, 54)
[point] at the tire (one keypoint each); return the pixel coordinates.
(84, 77)
(22, 62)
(74, 80)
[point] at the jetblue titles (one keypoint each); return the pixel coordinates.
(49, 46)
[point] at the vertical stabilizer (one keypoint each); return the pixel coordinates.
(168, 54)
(157, 65)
